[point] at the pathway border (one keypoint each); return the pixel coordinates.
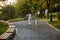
(10, 33)
(53, 26)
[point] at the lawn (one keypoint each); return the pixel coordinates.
(16, 19)
(56, 24)
(3, 28)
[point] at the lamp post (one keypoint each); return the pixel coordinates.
(9, 10)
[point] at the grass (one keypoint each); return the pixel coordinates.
(44, 18)
(16, 19)
(56, 24)
(3, 28)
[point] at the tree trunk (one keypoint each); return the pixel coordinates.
(51, 17)
(48, 7)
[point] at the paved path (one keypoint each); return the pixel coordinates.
(32, 32)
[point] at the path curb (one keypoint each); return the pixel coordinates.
(53, 27)
(10, 33)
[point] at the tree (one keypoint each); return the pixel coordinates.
(50, 4)
(33, 6)
(8, 12)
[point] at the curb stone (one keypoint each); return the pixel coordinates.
(53, 27)
(10, 33)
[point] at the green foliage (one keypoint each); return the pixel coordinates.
(8, 12)
(28, 6)
(57, 8)
(24, 7)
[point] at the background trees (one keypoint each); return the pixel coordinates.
(34, 6)
(23, 7)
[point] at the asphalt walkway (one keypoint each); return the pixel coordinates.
(42, 31)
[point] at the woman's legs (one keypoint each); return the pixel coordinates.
(29, 21)
(36, 21)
